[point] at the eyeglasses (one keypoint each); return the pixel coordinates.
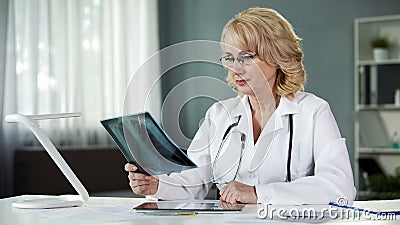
(244, 59)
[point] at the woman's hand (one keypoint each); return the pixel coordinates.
(235, 192)
(141, 184)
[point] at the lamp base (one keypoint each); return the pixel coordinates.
(47, 203)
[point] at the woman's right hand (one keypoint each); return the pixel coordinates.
(141, 184)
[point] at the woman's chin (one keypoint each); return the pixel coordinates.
(245, 90)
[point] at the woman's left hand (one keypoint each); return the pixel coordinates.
(235, 192)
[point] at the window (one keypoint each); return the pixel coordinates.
(77, 56)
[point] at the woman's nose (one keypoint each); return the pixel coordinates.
(237, 67)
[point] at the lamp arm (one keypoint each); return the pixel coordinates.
(30, 122)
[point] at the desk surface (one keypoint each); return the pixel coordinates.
(106, 210)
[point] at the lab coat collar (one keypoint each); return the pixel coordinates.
(275, 123)
(243, 110)
(287, 106)
(237, 107)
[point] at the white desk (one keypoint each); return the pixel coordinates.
(107, 210)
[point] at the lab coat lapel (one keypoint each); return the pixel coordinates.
(266, 140)
(274, 125)
(245, 125)
(243, 111)
(230, 151)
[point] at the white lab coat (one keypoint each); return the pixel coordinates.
(320, 165)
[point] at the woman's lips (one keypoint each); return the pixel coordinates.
(241, 82)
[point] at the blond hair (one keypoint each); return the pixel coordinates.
(269, 34)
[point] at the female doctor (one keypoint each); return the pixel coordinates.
(273, 143)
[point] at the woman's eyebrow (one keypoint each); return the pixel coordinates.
(227, 54)
(244, 51)
(241, 52)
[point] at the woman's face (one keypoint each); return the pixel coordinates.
(255, 79)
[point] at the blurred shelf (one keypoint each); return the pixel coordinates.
(387, 150)
(377, 63)
(362, 107)
(375, 81)
(363, 195)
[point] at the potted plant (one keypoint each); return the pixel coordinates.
(382, 186)
(380, 48)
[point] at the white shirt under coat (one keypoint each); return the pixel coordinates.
(320, 165)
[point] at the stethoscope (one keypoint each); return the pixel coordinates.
(243, 141)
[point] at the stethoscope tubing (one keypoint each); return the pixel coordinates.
(243, 141)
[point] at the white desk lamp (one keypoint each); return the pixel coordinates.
(58, 201)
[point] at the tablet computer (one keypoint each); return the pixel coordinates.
(179, 206)
(144, 143)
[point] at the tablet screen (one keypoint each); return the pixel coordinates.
(189, 206)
